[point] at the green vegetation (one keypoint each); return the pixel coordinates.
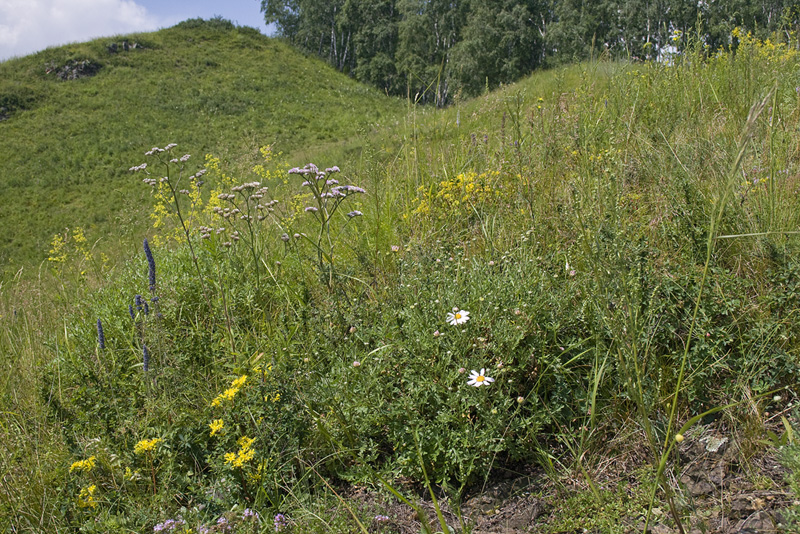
(439, 51)
(577, 267)
(67, 144)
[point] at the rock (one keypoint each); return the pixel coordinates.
(697, 487)
(745, 505)
(759, 523)
(75, 69)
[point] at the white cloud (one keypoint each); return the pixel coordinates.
(27, 26)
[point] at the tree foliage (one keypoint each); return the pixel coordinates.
(432, 50)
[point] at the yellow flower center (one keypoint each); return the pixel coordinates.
(481, 378)
(458, 316)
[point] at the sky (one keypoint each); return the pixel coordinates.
(27, 26)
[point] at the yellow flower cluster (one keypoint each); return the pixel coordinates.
(83, 465)
(62, 244)
(463, 191)
(214, 166)
(162, 212)
(58, 249)
(231, 392)
(146, 445)
(245, 454)
(216, 425)
(86, 497)
(766, 49)
(266, 174)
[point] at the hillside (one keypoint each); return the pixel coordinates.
(568, 305)
(74, 119)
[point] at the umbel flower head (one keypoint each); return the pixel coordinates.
(479, 379)
(457, 317)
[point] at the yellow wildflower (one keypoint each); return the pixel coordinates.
(245, 454)
(146, 445)
(216, 425)
(83, 465)
(86, 497)
(231, 392)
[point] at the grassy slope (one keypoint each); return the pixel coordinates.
(67, 145)
(616, 170)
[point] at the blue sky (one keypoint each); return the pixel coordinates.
(27, 26)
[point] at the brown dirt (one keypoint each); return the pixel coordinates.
(718, 492)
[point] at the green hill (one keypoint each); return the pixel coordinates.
(74, 119)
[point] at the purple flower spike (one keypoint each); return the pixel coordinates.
(151, 266)
(101, 338)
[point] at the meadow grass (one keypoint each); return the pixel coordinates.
(67, 144)
(621, 236)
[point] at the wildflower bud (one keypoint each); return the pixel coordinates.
(138, 301)
(461, 370)
(678, 437)
(520, 400)
(356, 364)
(297, 236)
(352, 329)
(130, 311)
(436, 334)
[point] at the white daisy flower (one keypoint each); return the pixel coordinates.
(457, 317)
(479, 379)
